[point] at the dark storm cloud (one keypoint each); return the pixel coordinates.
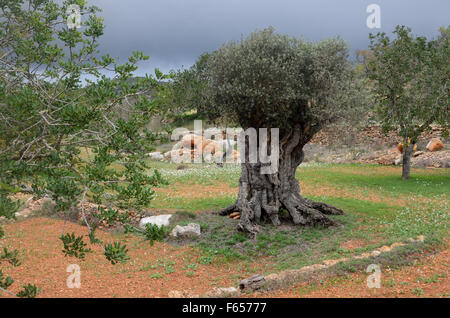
(175, 32)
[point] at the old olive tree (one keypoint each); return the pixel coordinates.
(268, 80)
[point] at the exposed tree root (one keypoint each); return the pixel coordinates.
(264, 196)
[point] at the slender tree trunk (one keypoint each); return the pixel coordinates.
(406, 164)
(261, 196)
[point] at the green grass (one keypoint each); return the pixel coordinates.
(191, 204)
(435, 278)
(374, 223)
(207, 174)
(423, 182)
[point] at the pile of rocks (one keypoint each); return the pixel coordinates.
(32, 206)
(434, 156)
(288, 277)
(369, 136)
(198, 148)
(47, 207)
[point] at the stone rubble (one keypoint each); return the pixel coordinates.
(276, 281)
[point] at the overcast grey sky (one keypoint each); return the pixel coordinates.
(175, 32)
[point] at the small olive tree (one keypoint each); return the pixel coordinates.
(411, 78)
(68, 131)
(274, 81)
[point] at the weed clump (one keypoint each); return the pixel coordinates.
(153, 233)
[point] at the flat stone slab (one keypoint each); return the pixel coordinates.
(190, 230)
(159, 220)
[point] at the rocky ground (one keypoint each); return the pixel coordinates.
(372, 146)
(368, 145)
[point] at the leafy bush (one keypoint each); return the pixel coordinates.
(116, 253)
(74, 246)
(8, 207)
(29, 291)
(153, 232)
(10, 256)
(5, 282)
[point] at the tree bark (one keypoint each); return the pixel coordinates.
(406, 161)
(262, 196)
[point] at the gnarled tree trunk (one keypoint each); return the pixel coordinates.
(263, 195)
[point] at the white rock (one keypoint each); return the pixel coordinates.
(156, 155)
(190, 230)
(159, 220)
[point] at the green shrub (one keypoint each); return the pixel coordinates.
(74, 246)
(116, 253)
(8, 207)
(153, 232)
(29, 291)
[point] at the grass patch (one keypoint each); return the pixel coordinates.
(191, 204)
(372, 223)
(423, 182)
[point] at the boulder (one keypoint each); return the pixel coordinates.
(159, 220)
(434, 145)
(156, 156)
(206, 142)
(212, 147)
(192, 141)
(190, 230)
(182, 155)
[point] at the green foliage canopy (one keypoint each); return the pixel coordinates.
(72, 121)
(276, 81)
(411, 77)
